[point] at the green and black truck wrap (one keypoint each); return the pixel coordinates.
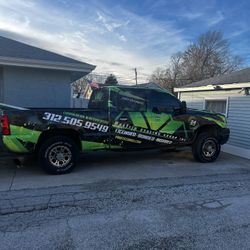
(117, 118)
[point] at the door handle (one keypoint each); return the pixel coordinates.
(123, 119)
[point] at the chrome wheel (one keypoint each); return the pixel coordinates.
(209, 148)
(60, 156)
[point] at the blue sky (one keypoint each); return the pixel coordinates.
(120, 35)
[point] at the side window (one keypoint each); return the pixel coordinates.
(99, 99)
(162, 102)
(113, 99)
(131, 100)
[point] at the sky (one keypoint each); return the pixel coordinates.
(118, 36)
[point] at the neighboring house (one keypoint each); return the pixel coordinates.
(228, 94)
(33, 77)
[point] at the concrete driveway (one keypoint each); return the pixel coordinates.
(101, 166)
(139, 200)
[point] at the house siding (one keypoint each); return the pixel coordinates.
(238, 112)
(29, 87)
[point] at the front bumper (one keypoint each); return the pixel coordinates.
(224, 135)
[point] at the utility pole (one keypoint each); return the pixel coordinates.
(135, 76)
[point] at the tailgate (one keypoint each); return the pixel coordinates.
(6, 107)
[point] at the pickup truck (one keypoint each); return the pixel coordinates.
(117, 118)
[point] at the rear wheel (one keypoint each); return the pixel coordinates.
(206, 148)
(58, 155)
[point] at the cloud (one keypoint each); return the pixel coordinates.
(191, 15)
(116, 41)
(112, 25)
(239, 28)
(218, 17)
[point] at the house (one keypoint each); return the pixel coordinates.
(228, 94)
(33, 77)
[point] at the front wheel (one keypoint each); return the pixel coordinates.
(58, 155)
(206, 148)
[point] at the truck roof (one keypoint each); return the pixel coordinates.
(137, 87)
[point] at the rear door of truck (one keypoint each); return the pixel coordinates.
(96, 128)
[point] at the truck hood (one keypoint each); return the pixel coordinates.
(201, 112)
(218, 118)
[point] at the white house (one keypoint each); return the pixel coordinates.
(228, 94)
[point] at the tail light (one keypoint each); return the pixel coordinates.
(5, 125)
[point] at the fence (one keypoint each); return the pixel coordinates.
(79, 103)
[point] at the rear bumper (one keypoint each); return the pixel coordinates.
(2, 147)
(3, 150)
(224, 135)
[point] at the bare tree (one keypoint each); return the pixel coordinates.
(170, 76)
(160, 76)
(79, 87)
(209, 56)
(111, 80)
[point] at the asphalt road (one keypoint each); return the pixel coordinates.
(142, 200)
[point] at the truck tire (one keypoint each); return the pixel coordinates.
(206, 148)
(58, 155)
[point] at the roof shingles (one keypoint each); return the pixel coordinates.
(13, 49)
(240, 76)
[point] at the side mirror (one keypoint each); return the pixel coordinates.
(183, 107)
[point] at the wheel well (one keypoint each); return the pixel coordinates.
(213, 129)
(71, 133)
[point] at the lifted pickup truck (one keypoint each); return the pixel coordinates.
(117, 118)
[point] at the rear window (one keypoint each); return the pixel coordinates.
(129, 100)
(99, 99)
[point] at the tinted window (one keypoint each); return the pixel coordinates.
(129, 100)
(99, 99)
(162, 102)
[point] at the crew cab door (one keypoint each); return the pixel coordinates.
(96, 129)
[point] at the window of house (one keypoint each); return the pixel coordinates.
(216, 106)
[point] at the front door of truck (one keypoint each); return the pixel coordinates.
(127, 109)
(165, 118)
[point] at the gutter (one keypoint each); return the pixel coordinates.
(214, 87)
(44, 64)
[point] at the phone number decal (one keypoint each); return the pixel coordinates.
(75, 122)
